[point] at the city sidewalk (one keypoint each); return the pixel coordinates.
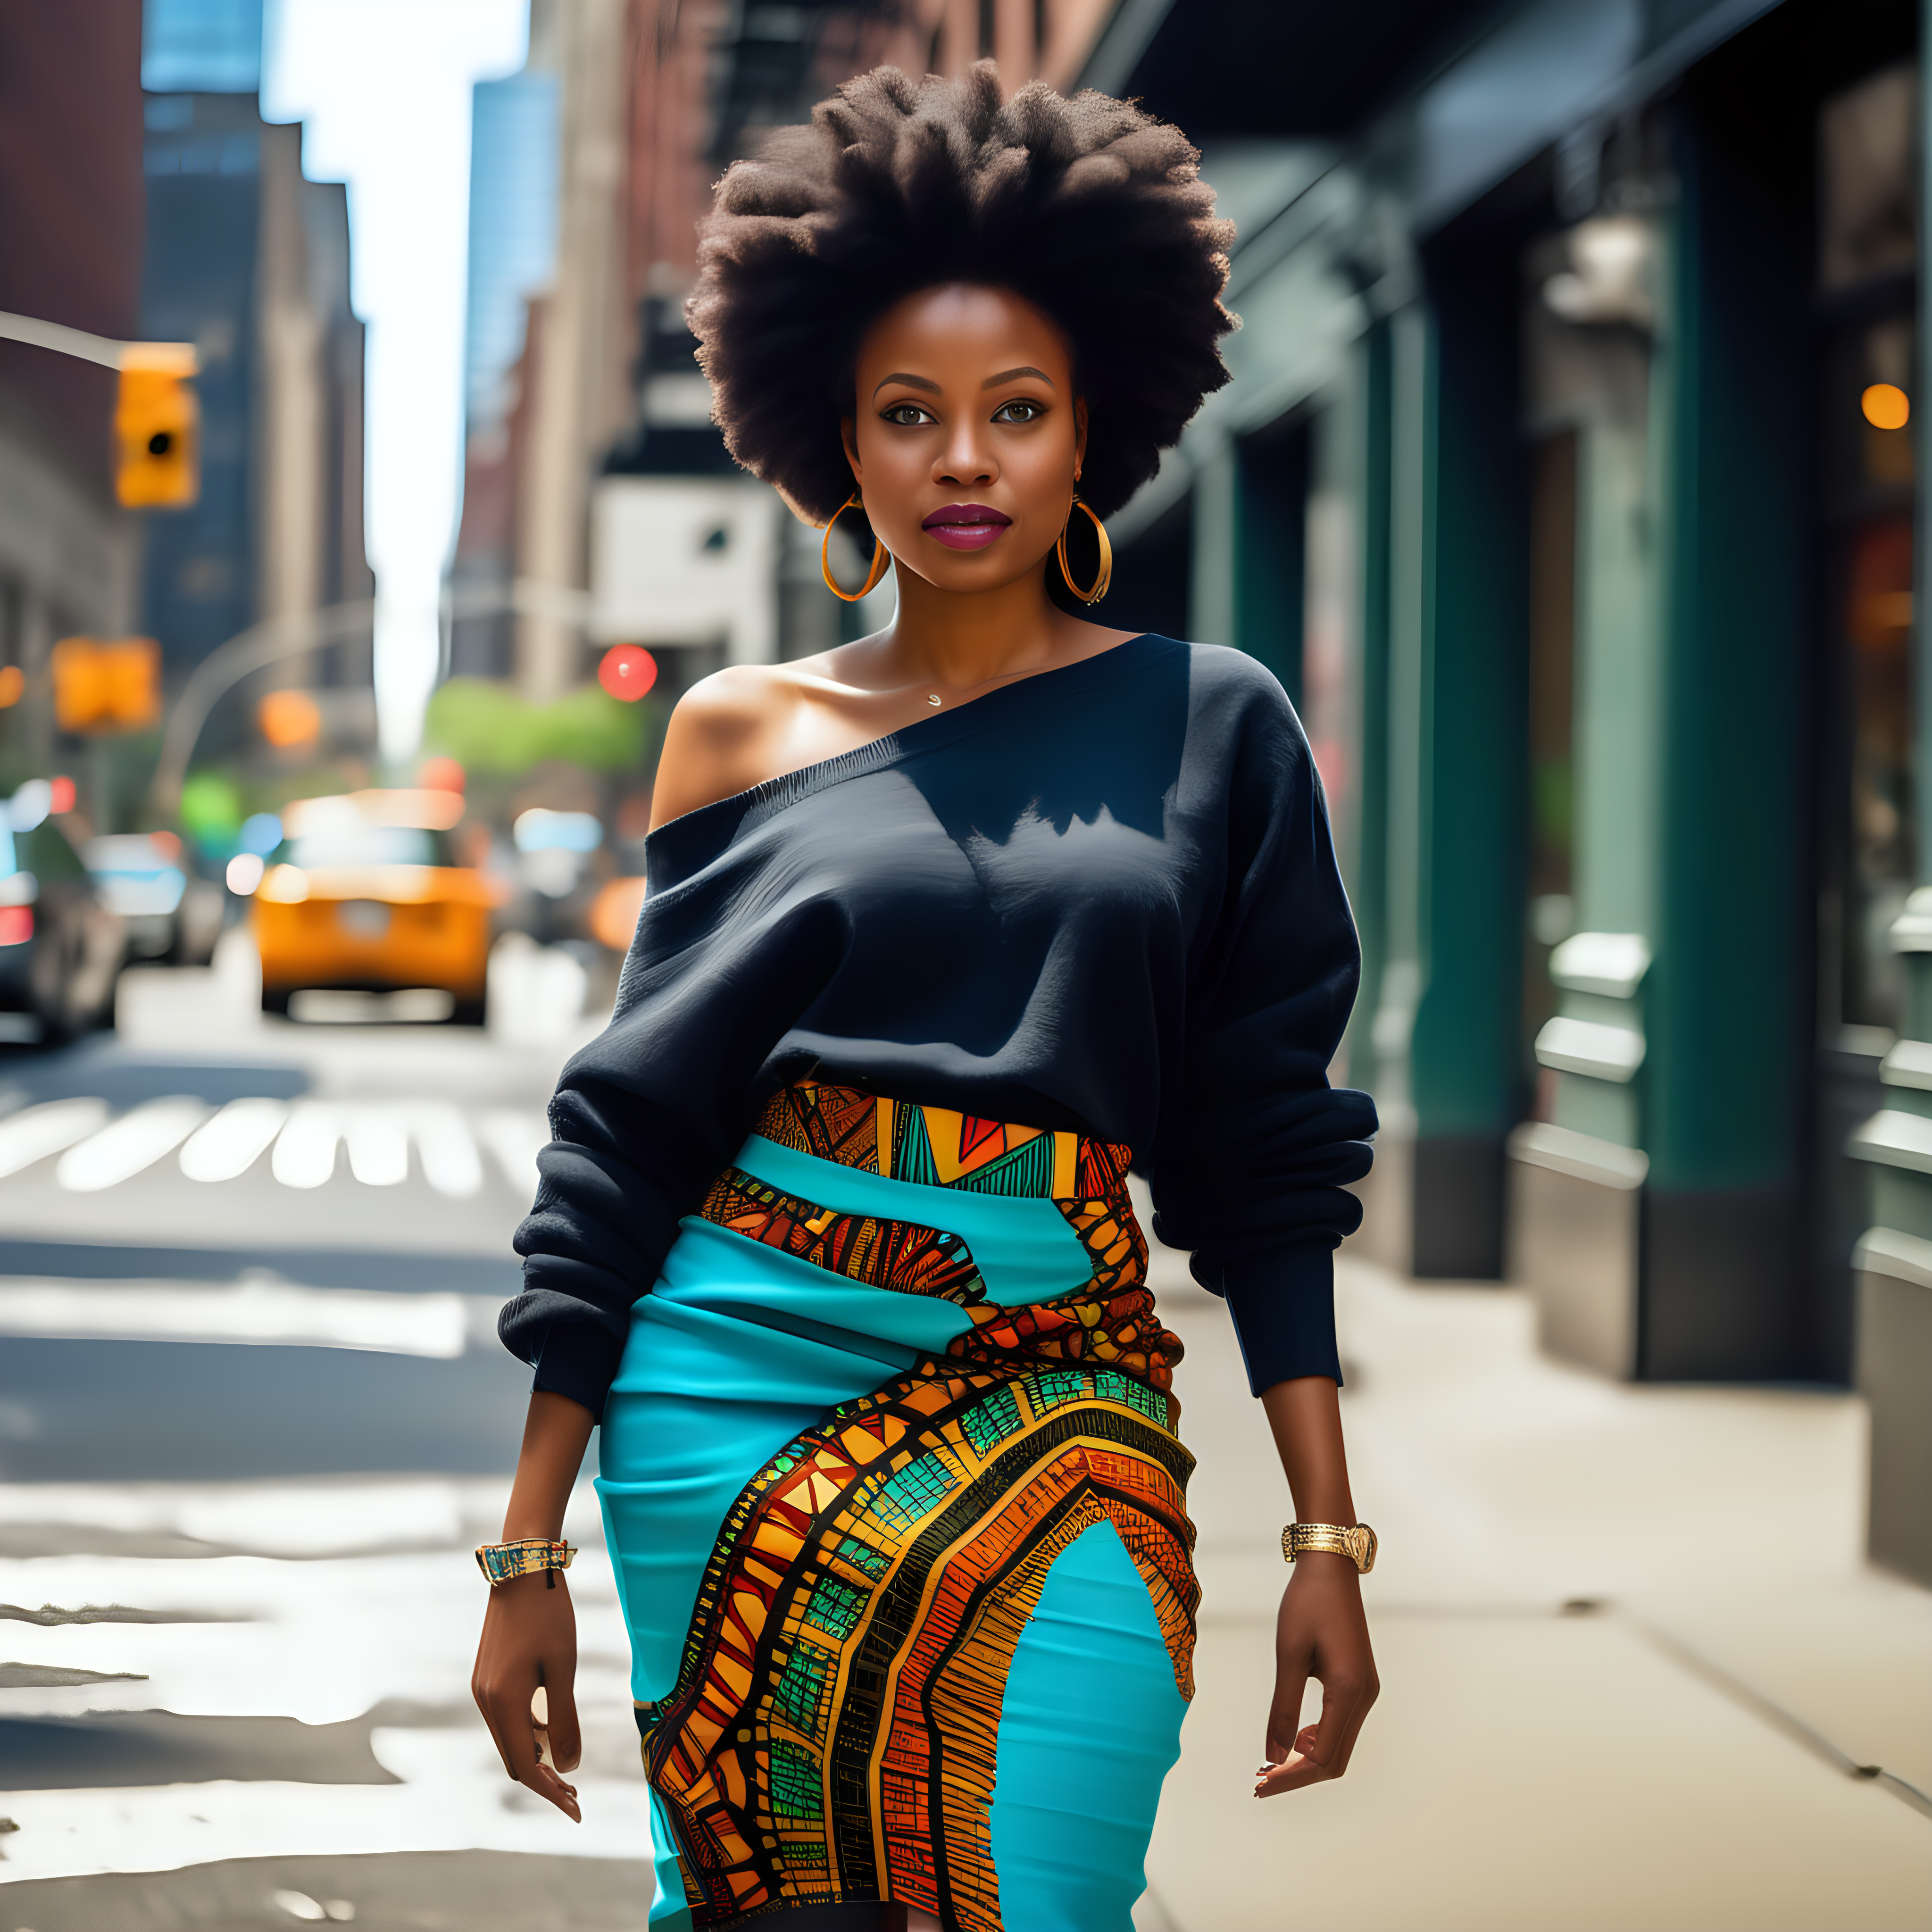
(1632, 1661)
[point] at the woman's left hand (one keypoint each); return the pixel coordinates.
(1322, 1633)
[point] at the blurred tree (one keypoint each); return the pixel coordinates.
(487, 727)
(211, 810)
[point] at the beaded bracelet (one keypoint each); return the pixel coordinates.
(504, 1562)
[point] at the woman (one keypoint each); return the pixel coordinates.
(945, 928)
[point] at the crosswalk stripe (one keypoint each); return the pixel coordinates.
(451, 1163)
(136, 1140)
(34, 1132)
(225, 1147)
(379, 1146)
(304, 1154)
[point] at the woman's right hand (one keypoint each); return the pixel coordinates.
(528, 1640)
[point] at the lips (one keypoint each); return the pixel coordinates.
(966, 526)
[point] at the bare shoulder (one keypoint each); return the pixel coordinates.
(717, 741)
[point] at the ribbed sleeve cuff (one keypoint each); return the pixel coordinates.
(578, 1359)
(1283, 1306)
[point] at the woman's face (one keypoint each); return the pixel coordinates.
(968, 436)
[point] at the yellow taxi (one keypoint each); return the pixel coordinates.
(367, 898)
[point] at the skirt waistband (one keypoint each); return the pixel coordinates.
(934, 1147)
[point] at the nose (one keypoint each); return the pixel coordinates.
(964, 459)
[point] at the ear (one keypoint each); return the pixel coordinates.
(1079, 432)
(848, 434)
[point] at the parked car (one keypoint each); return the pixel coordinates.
(365, 896)
(61, 948)
(170, 915)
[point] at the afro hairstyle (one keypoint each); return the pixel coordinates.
(1089, 208)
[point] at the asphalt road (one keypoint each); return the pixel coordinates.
(254, 1417)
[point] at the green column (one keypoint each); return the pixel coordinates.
(1464, 1070)
(1396, 583)
(1270, 526)
(1726, 1010)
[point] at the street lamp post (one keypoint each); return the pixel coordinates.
(267, 643)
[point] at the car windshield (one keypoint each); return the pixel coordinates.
(367, 845)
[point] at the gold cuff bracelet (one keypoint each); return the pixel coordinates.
(504, 1562)
(1357, 1542)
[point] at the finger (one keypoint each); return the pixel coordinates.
(516, 1740)
(566, 1739)
(490, 1699)
(1291, 1684)
(1294, 1774)
(1364, 1703)
(1344, 1704)
(546, 1784)
(1338, 1703)
(520, 1742)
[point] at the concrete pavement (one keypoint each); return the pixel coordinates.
(1634, 1672)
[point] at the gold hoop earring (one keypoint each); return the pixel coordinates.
(1106, 571)
(881, 557)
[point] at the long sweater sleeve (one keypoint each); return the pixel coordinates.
(1257, 1148)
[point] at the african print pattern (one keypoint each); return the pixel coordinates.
(937, 1147)
(832, 1736)
(897, 1254)
(1111, 1321)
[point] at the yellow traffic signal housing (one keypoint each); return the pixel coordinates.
(157, 427)
(106, 684)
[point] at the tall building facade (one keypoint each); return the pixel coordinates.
(249, 260)
(71, 211)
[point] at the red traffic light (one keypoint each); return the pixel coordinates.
(628, 671)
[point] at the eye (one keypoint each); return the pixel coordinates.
(907, 415)
(1020, 410)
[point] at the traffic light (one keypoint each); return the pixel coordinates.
(106, 686)
(157, 427)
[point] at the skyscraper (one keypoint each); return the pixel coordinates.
(248, 260)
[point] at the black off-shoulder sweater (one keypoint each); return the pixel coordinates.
(1103, 897)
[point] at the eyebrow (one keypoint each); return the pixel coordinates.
(931, 388)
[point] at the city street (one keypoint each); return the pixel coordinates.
(1634, 1670)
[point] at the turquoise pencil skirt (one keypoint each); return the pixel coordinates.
(897, 1508)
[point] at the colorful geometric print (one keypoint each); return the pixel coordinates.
(937, 1147)
(896, 1255)
(832, 1736)
(1121, 1330)
(1111, 1320)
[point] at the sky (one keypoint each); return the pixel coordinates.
(382, 88)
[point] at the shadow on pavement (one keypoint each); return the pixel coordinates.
(129, 1747)
(412, 1891)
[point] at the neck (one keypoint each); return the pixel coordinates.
(961, 639)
